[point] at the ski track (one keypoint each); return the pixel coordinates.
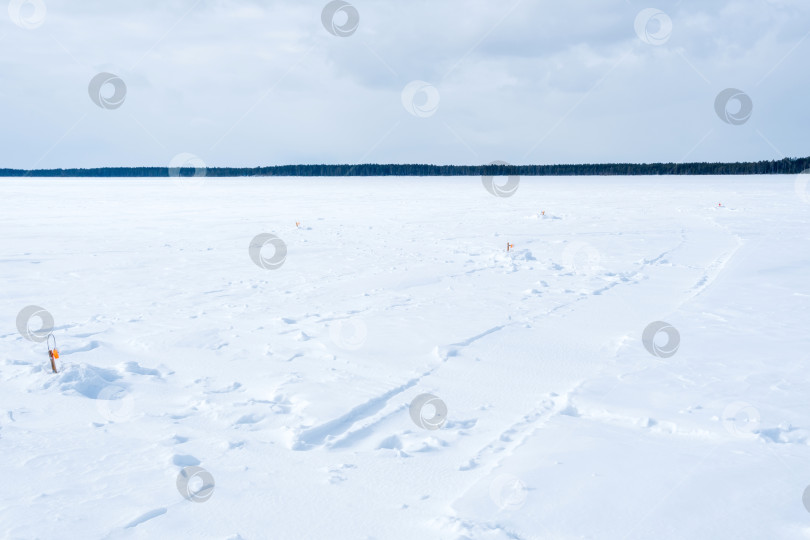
(152, 514)
(500, 448)
(318, 434)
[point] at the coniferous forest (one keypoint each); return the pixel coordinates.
(783, 166)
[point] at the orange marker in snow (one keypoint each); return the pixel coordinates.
(543, 213)
(53, 354)
(298, 224)
(509, 246)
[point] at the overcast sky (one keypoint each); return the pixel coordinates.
(249, 82)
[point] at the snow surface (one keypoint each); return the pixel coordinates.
(292, 387)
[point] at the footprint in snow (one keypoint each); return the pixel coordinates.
(185, 460)
(137, 369)
(249, 419)
(390, 443)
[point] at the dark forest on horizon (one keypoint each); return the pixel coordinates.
(783, 166)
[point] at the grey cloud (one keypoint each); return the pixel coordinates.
(248, 82)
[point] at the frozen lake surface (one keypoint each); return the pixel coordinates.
(291, 388)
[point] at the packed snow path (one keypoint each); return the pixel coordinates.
(292, 387)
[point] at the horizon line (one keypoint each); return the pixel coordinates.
(193, 166)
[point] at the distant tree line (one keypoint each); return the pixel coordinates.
(783, 166)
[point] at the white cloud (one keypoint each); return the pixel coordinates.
(255, 83)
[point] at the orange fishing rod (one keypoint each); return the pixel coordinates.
(53, 354)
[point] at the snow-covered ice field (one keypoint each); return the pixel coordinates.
(291, 387)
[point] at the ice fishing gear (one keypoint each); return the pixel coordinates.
(53, 353)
